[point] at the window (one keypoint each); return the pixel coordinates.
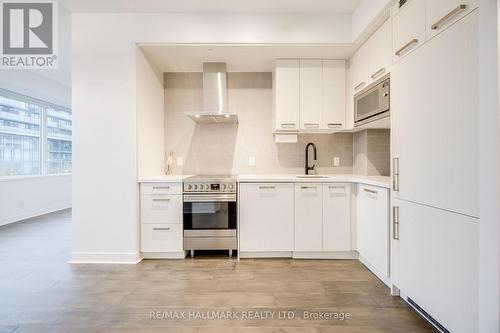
(35, 137)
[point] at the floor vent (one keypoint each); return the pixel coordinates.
(427, 316)
(401, 3)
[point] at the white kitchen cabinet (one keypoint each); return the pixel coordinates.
(373, 227)
(434, 263)
(311, 74)
(440, 14)
(161, 220)
(336, 217)
(161, 188)
(408, 27)
(266, 217)
(435, 123)
(379, 53)
(308, 217)
(286, 95)
(309, 95)
(161, 238)
(333, 94)
(360, 69)
(161, 208)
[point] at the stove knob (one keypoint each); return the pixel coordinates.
(189, 186)
(231, 186)
(195, 187)
(223, 186)
(206, 187)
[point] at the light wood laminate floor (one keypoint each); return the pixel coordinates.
(40, 292)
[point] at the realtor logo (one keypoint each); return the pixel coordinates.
(29, 34)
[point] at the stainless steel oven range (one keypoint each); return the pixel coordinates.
(209, 204)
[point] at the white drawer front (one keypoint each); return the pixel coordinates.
(161, 209)
(161, 188)
(161, 237)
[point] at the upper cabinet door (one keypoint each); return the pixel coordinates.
(333, 108)
(435, 121)
(408, 27)
(311, 73)
(442, 13)
(380, 59)
(359, 68)
(286, 90)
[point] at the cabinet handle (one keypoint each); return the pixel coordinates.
(378, 73)
(161, 199)
(308, 187)
(288, 125)
(407, 45)
(370, 191)
(157, 229)
(359, 86)
(311, 125)
(334, 125)
(161, 187)
(395, 222)
(334, 187)
(267, 187)
(448, 16)
(395, 176)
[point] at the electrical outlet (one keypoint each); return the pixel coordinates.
(251, 161)
(336, 161)
(179, 161)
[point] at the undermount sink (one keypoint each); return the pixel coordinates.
(312, 176)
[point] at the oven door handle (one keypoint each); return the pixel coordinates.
(210, 197)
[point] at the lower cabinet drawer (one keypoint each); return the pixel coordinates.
(161, 237)
(161, 209)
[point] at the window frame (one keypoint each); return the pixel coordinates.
(43, 145)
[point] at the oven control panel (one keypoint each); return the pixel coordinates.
(208, 187)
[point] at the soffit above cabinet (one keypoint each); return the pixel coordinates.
(238, 57)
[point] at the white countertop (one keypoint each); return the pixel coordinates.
(349, 178)
(292, 178)
(164, 179)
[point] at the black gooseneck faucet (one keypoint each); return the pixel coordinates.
(308, 168)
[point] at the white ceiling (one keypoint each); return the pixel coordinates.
(239, 58)
(211, 6)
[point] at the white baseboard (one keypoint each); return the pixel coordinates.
(283, 254)
(385, 279)
(343, 255)
(105, 258)
(19, 218)
(163, 255)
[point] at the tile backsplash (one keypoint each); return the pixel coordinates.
(224, 149)
(372, 152)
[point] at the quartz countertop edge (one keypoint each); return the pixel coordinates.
(379, 181)
(164, 179)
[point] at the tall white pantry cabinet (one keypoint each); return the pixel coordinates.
(435, 165)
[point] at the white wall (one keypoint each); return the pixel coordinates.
(489, 231)
(26, 197)
(150, 119)
(104, 96)
(365, 13)
(21, 198)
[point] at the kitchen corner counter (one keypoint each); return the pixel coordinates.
(164, 179)
(348, 178)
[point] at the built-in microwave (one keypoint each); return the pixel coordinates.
(373, 102)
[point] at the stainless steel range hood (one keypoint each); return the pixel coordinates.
(214, 96)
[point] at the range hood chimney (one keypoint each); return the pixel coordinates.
(214, 96)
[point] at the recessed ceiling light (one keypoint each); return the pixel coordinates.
(197, 116)
(227, 116)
